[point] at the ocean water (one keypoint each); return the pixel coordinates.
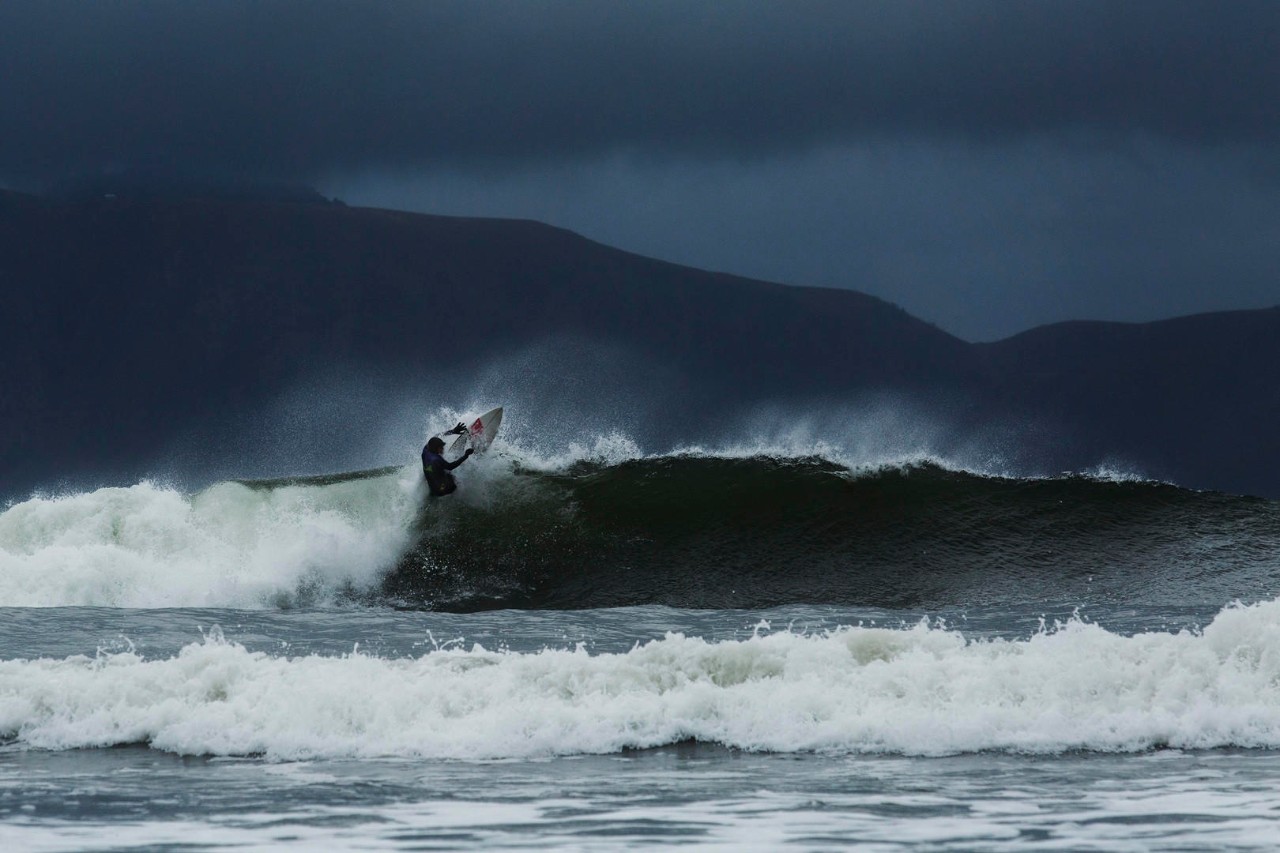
(732, 648)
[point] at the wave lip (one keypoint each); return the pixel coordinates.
(924, 690)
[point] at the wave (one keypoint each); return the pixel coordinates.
(925, 690)
(758, 531)
(232, 545)
(606, 526)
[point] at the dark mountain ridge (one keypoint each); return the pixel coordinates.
(127, 319)
(1196, 399)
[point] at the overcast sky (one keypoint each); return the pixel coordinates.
(989, 166)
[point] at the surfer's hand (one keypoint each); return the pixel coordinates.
(470, 450)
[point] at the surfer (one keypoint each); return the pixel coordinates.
(436, 470)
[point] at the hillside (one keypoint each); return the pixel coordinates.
(126, 320)
(1194, 399)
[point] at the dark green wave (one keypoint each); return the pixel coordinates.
(758, 532)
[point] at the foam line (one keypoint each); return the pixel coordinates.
(924, 690)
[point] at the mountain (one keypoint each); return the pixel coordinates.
(1193, 399)
(129, 319)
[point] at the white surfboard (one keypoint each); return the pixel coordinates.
(480, 434)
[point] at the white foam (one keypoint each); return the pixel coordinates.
(923, 690)
(230, 545)
(1116, 473)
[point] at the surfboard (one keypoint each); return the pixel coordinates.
(480, 434)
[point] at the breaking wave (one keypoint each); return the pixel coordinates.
(606, 526)
(924, 690)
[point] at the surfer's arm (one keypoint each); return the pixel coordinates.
(455, 463)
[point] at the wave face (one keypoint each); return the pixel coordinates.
(693, 530)
(718, 532)
(925, 690)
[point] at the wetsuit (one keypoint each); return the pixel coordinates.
(436, 470)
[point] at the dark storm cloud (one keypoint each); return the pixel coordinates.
(302, 89)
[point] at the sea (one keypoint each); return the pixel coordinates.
(753, 646)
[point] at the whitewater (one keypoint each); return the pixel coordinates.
(923, 690)
(779, 642)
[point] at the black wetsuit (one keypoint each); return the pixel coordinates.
(436, 470)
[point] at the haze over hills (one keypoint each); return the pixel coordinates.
(128, 320)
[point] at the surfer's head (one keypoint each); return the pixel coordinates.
(436, 445)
